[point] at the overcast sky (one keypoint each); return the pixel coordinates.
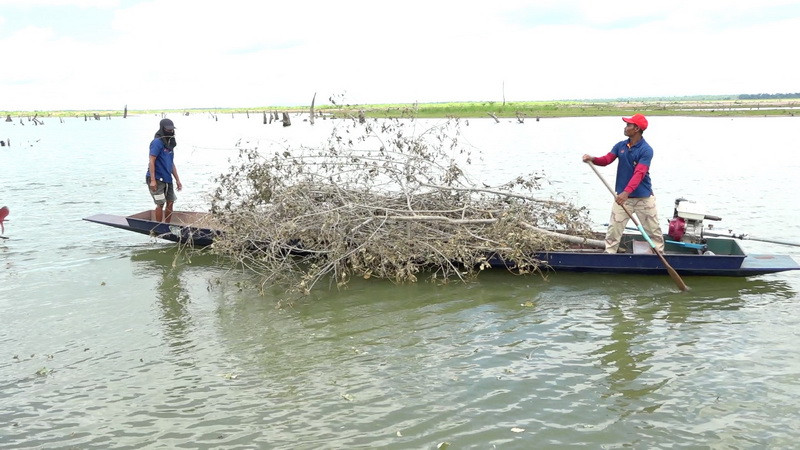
(105, 54)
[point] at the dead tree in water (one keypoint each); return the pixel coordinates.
(125, 112)
(311, 112)
(286, 120)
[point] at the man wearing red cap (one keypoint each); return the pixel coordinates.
(633, 186)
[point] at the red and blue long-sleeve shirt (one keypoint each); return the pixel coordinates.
(633, 169)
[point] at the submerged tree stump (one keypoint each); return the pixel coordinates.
(311, 112)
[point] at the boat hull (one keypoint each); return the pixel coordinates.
(183, 229)
(706, 265)
(724, 258)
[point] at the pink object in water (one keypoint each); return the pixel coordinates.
(3, 214)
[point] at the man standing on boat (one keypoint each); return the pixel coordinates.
(162, 165)
(633, 186)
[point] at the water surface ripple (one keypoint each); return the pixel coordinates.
(113, 340)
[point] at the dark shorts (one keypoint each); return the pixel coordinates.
(164, 192)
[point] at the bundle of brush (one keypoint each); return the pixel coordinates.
(385, 199)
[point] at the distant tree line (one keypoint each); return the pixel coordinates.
(697, 98)
(767, 96)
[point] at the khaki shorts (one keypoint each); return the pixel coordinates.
(164, 192)
(647, 212)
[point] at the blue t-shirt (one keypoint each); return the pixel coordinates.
(164, 160)
(641, 153)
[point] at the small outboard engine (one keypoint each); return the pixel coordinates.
(686, 224)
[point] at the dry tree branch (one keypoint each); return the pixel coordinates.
(379, 199)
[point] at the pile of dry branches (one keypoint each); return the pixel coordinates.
(383, 199)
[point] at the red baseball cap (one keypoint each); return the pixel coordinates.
(638, 120)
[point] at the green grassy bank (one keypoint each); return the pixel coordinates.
(521, 110)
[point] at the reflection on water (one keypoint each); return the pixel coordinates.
(491, 347)
(411, 366)
(171, 294)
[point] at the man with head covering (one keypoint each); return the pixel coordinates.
(161, 170)
(633, 186)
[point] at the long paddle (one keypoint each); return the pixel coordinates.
(672, 273)
(745, 237)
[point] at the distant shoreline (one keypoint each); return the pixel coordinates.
(486, 109)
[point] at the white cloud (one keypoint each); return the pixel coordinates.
(180, 53)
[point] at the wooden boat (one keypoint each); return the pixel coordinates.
(718, 256)
(186, 227)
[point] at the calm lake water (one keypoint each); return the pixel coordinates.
(109, 339)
